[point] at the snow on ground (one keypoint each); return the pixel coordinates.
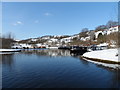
(113, 66)
(8, 50)
(52, 47)
(108, 54)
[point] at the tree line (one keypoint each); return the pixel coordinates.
(112, 38)
(6, 40)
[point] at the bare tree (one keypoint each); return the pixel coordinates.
(92, 35)
(119, 37)
(101, 27)
(85, 30)
(83, 33)
(113, 38)
(111, 23)
(7, 40)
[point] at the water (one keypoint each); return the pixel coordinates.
(54, 69)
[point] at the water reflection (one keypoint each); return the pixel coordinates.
(116, 79)
(0, 59)
(76, 67)
(115, 82)
(48, 52)
(7, 59)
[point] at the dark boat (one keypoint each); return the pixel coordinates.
(78, 50)
(64, 47)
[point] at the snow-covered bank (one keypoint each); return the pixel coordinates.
(7, 53)
(112, 66)
(106, 56)
(10, 50)
(52, 47)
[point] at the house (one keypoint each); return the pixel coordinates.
(20, 46)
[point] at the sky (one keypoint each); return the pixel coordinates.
(34, 19)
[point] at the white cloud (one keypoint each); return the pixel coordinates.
(47, 14)
(17, 23)
(36, 21)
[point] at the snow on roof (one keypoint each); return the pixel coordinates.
(54, 39)
(39, 44)
(103, 44)
(17, 40)
(112, 29)
(34, 39)
(25, 45)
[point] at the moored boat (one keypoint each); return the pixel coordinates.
(64, 47)
(80, 50)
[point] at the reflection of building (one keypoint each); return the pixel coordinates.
(48, 52)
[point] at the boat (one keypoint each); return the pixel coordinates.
(79, 50)
(64, 47)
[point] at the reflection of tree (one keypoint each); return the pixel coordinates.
(48, 52)
(84, 61)
(7, 59)
(116, 79)
(81, 60)
(0, 59)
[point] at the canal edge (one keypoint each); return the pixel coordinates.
(100, 60)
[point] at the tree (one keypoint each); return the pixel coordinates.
(100, 28)
(85, 30)
(101, 38)
(92, 35)
(83, 33)
(113, 38)
(63, 42)
(118, 39)
(111, 23)
(7, 40)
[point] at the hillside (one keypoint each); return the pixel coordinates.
(86, 38)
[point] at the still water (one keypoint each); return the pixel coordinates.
(54, 69)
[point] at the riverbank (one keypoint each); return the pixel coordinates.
(106, 56)
(10, 50)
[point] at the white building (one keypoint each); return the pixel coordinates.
(112, 29)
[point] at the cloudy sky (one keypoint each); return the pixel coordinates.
(34, 19)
